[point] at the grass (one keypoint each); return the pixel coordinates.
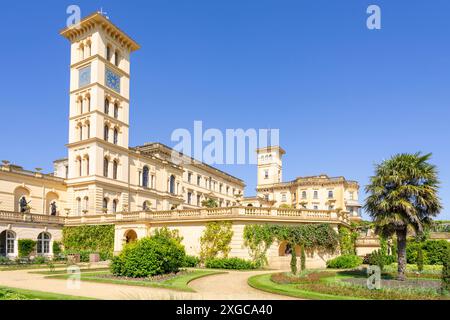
(179, 282)
(7, 293)
(263, 282)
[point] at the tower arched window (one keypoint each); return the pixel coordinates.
(86, 204)
(116, 136)
(145, 177)
(105, 167)
(117, 58)
(172, 184)
(106, 133)
(108, 52)
(79, 167)
(115, 167)
(88, 130)
(116, 110)
(80, 132)
(105, 204)
(87, 165)
(88, 103)
(114, 208)
(78, 206)
(81, 106)
(106, 109)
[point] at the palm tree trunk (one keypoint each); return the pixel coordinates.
(401, 254)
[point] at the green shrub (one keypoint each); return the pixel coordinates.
(420, 259)
(191, 261)
(230, 263)
(56, 248)
(4, 260)
(345, 261)
(39, 260)
(26, 247)
(89, 239)
(433, 251)
(347, 240)
(149, 256)
(445, 284)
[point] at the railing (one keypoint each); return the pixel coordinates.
(252, 213)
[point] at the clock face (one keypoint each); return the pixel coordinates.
(112, 80)
(84, 76)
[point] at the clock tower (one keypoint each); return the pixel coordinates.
(98, 154)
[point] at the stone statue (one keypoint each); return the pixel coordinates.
(23, 205)
(53, 208)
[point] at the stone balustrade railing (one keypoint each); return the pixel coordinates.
(252, 213)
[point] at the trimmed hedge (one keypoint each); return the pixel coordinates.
(346, 261)
(26, 247)
(148, 257)
(191, 262)
(230, 263)
(89, 239)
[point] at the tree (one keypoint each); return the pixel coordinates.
(210, 203)
(403, 196)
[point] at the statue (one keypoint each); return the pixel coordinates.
(23, 204)
(53, 208)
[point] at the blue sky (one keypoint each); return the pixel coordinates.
(344, 97)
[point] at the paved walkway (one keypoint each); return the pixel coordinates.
(232, 285)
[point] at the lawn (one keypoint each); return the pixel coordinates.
(178, 282)
(7, 293)
(340, 285)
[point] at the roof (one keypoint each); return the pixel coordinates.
(271, 148)
(98, 19)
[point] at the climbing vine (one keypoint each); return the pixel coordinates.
(215, 240)
(347, 240)
(309, 237)
(90, 238)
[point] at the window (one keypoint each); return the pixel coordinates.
(115, 166)
(106, 106)
(108, 52)
(266, 174)
(80, 167)
(198, 200)
(81, 106)
(43, 243)
(283, 197)
(145, 206)
(152, 182)
(10, 238)
(189, 177)
(116, 136)
(105, 167)
(87, 165)
(116, 110)
(266, 197)
(172, 184)
(303, 194)
(220, 188)
(115, 202)
(105, 205)
(106, 133)
(86, 204)
(88, 99)
(316, 194)
(78, 206)
(228, 190)
(145, 177)
(330, 207)
(189, 197)
(80, 131)
(199, 178)
(117, 58)
(88, 129)
(330, 194)
(316, 207)
(351, 195)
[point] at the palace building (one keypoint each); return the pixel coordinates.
(105, 181)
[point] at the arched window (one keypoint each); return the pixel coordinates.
(108, 52)
(115, 166)
(88, 99)
(116, 110)
(80, 167)
(105, 205)
(105, 167)
(172, 184)
(88, 130)
(86, 204)
(106, 106)
(80, 131)
(117, 58)
(106, 133)
(116, 136)
(43, 243)
(7, 239)
(145, 177)
(304, 194)
(81, 105)
(78, 206)
(115, 202)
(87, 165)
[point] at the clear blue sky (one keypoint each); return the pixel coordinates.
(343, 97)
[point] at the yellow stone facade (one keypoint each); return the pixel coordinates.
(105, 181)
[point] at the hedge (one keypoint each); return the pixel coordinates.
(433, 251)
(26, 247)
(89, 239)
(230, 263)
(346, 261)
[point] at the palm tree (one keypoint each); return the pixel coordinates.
(403, 196)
